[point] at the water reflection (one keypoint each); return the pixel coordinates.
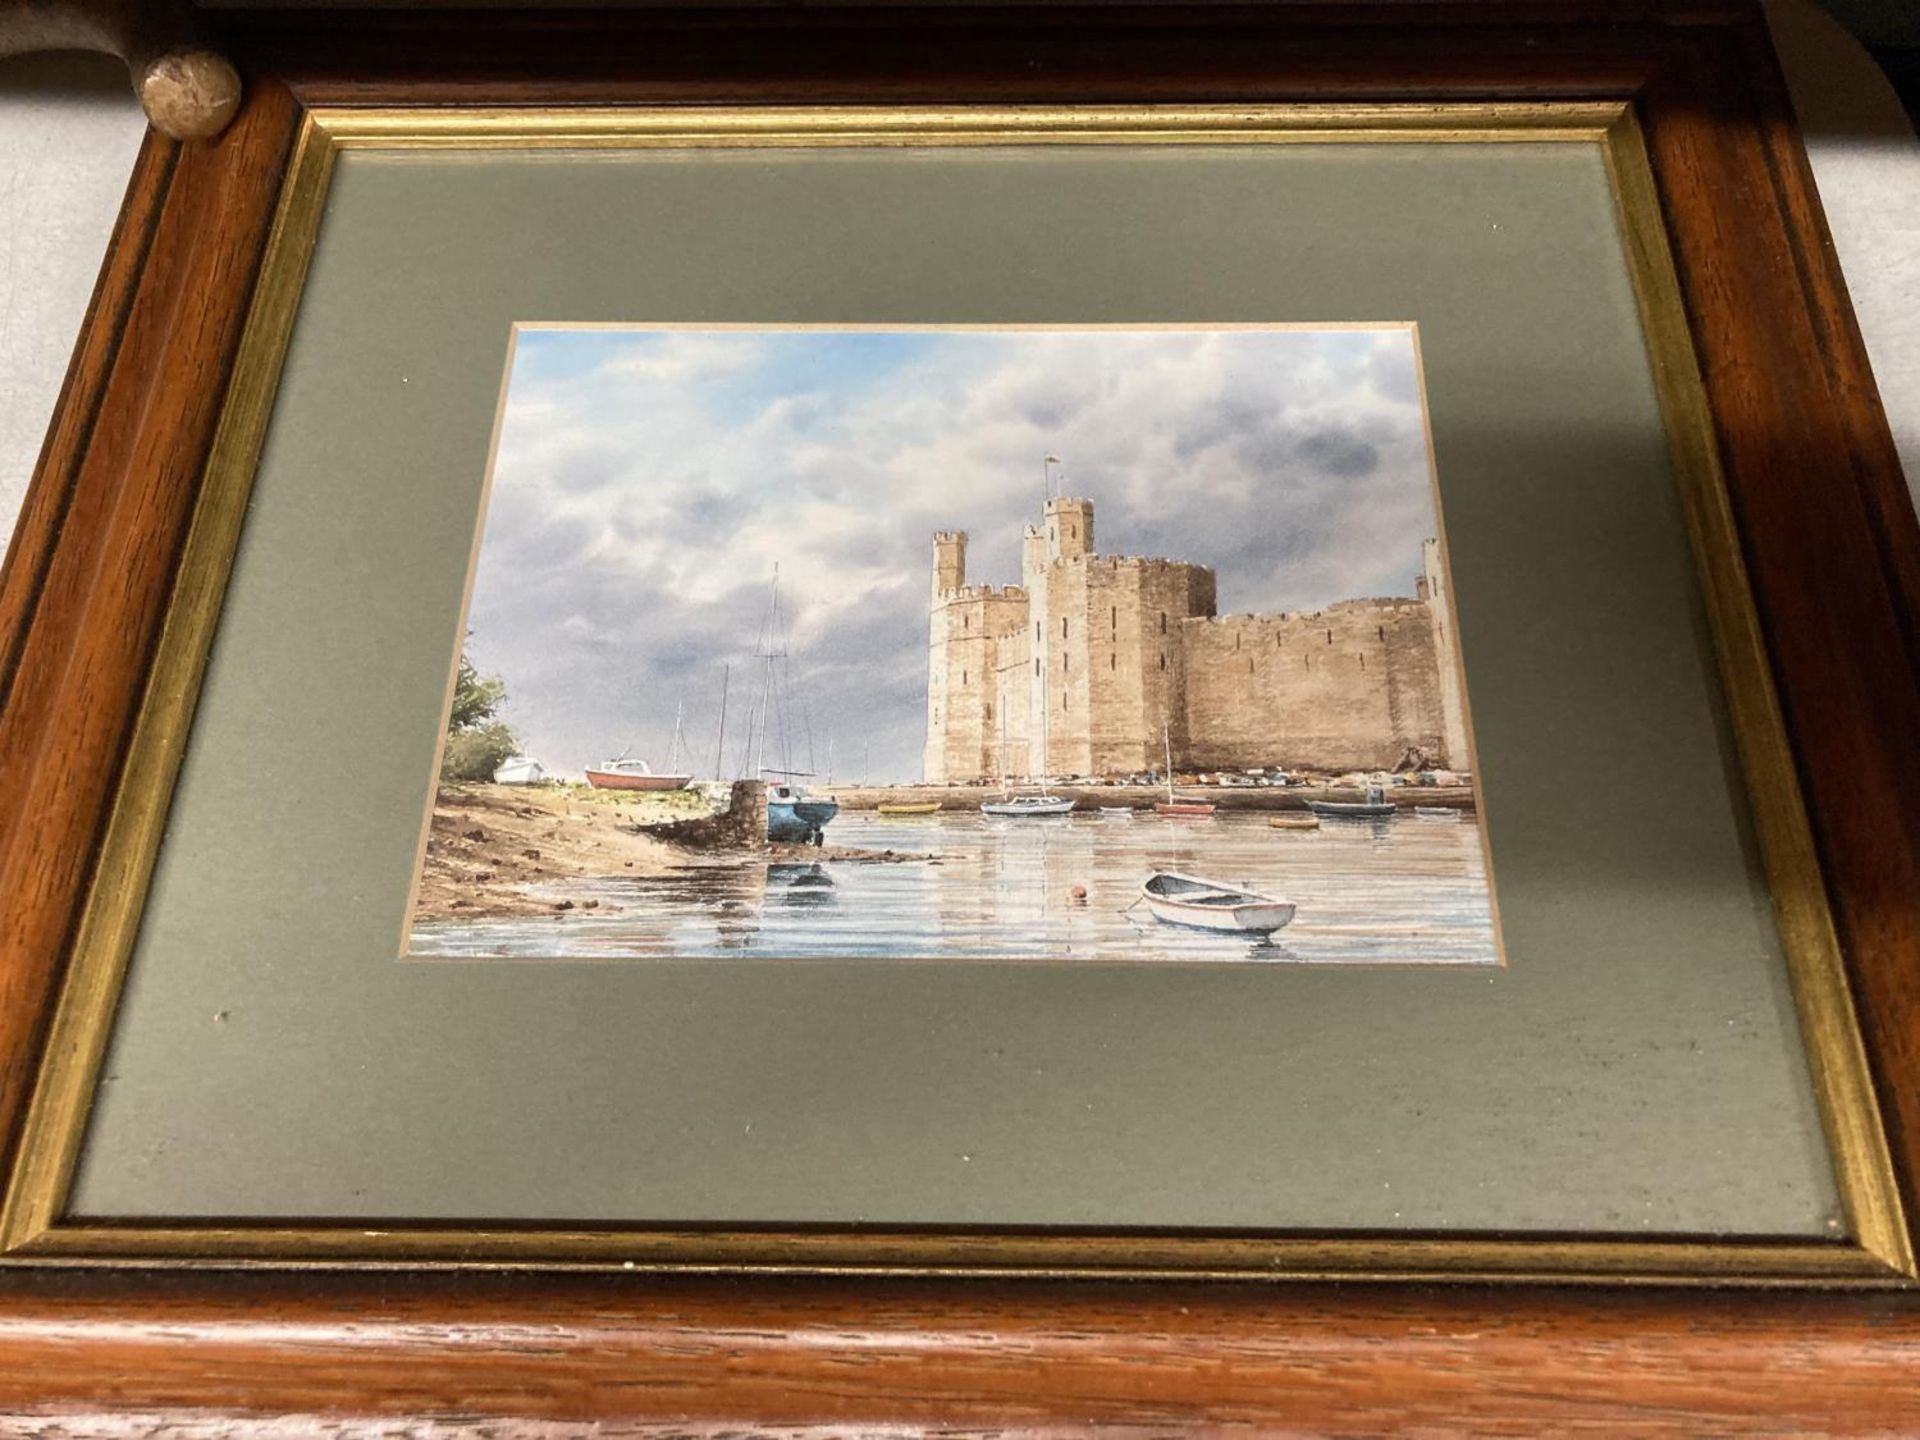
(1407, 890)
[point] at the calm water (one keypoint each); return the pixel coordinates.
(1407, 890)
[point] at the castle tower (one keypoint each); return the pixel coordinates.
(949, 561)
(1069, 527)
(967, 626)
(1432, 587)
(949, 574)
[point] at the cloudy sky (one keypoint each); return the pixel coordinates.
(647, 482)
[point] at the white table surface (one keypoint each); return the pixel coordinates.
(69, 128)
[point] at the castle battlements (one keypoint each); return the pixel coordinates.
(1378, 602)
(1145, 563)
(1097, 660)
(983, 592)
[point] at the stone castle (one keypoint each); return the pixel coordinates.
(1094, 663)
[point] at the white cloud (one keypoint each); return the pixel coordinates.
(646, 485)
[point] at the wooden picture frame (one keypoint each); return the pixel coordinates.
(1826, 535)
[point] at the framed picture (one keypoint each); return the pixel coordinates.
(1203, 669)
(1051, 698)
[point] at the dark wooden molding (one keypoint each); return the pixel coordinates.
(1828, 537)
(87, 580)
(712, 1358)
(1819, 495)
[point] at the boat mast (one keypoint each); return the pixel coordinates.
(1006, 776)
(1047, 462)
(720, 736)
(1166, 734)
(673, 750)
(1046, 759)
(766, 696)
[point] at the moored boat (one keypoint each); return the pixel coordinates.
(905, 807)
(1117, 812)
(624, 774)
(520, 770)
(1197, 904)
(795, 817)
(1193, 809)
(1028, 806)
(1375, 807)
(1293, 820)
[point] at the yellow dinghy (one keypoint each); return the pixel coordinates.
(919, 807)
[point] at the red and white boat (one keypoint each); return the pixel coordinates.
(623, 774)
(1194, 809)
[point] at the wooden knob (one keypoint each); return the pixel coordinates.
(188, 94)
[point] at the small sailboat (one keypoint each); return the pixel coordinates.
(1375, 807)
(794, 816)
(1027, 807)
(1197, 904)
(1171, 805)
(625, 773)
(908, 807)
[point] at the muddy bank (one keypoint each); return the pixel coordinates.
(489, 845)
(809, 854)
(723, 815)
(496, 851)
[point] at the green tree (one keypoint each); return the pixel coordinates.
(478, 743)
(476, 698)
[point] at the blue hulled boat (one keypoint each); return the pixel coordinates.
(1375, 807)
(796, 818)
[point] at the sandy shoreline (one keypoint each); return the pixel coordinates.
(489, 845)
(499, 851)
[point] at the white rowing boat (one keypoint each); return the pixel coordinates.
(1209, 905)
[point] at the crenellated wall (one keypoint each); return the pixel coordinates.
(1354, 686)
(1097, 665)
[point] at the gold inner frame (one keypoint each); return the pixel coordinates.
(1875, 1248)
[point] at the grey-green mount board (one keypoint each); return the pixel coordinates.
(1637, 1067)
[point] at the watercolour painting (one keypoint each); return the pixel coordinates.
(1092, 644)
